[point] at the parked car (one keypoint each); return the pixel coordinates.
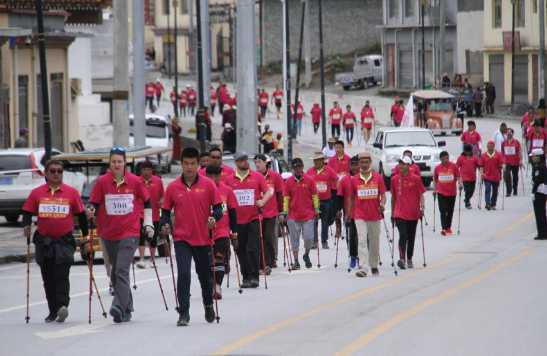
(390, 143)
(21, 170)
(279, 164)
(367, 71)
(157, 135)
(439, 112)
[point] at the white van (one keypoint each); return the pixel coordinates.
(157, 135)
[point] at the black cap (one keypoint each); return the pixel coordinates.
(467, 148)
(213, 169)
(354, 159)
(297, 162)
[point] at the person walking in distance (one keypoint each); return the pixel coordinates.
(176, 130)
(154, 185)
(407, 207)
(468, 164)
(183, 102)
(340, 161)
(272, 209)
(149, 92)
(119, 191)
(490, 91)
(158, 90)
(197, 207)
(366, 206)
(511, 150)
(252, 194)
(213, 99)
(316, 113)
(473, 138)
(343, 194)
(173, 97)
(325, 179)
(491, 163)
(277, 98)
(539, 191)
(191, 100)
(335, 117)
(444, 187)
(263, 99)
(216, 158)
(349, 121)
(226, 228)
(56, 204)
(394, 110)
(300, 210)
(367, 120)
(398, 114)
(477, 99)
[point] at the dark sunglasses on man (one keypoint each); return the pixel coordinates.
(55, 171)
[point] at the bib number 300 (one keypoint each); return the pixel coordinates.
(119, 204)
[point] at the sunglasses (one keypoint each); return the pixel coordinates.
(121, 149)
(55, 171)
(216, 157)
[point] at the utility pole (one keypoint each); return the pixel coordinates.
(206, 50)
(46, 118)
(175, 6)
(542, 91)
(247, 129)
(514, 4)
(139, 75)
(191, 39)
(307, 46)
(201, 102)
(442, 32)
(422, 8)
(288, 80)
(168, 10)
(285, 60)
(120, 95)
(299, 67)
(322, 69)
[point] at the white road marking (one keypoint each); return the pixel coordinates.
(82, 329)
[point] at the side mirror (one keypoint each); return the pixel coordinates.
(377, 145)
(441, 143)
(286, 175)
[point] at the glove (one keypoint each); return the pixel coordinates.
(149, 233)
(83, 253)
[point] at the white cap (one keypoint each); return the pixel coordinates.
(188, 85)
(228, 126)
(405, 159)
(537, 152)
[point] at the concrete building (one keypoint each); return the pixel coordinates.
(348, 25)
(402, 41)
(497, 49)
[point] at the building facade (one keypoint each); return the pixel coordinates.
(497, 49)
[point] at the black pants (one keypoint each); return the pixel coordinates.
(56, 283)
(327, 219)
(192, 109)
(263, 110)
(349, 134)
(248, 249)
(446, 210)
(478, 109)
(150, 101)
(158, 98)
(352, 239)
(183, 110)
(469, 190)
(335, 130)
(315, 127)
(511, 176)
(213, 109)
(539, 211)
(407, 236)
(175, 109)
(184, 252)
(221, 108)
(221, 250)
(270, 239)
(489, 106)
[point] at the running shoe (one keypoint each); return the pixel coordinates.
(184, 319)
(209, 313)
(62, 314)
(353, 262)
(307, 260)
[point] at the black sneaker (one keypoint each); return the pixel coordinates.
(295, 266)
(401, 264)
(487, 207)
(507, 195)
(51, 318)
(127, 318)
(515, 193)
(468, 206)
(116, 314)
(254, 283)
(306, 259)
(209, 313)
(245, 284)
(540, 238)
(184, 319)
(375, 271)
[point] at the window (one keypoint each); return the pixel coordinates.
(497, 14)
(393, 8)
(377, 63)
(409, 8)
(521, 13)
(166, 7)
(183, 4)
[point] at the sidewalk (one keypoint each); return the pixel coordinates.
(13, 247)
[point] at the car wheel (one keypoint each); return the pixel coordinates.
(387, 180)
(365, 83)
(12, 218)
(346, 87)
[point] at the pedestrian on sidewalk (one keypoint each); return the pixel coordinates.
(154, 186)
(158, 90)
(226, 228)
(263, 99)
(271, 210)
(216, 158)
(176, 130)
(444, 188)
(316, 113)
(344, 193)
(477, 99)
(325, 180)
(335, 117)
(197, 207)
(150, 90)
(252, 194)
(213, 99)
(490, 91)
(119, 191)
(349, 121)
(300, 210)
(22, 141)
(277, 98)
(228, 138)
(468, 164)
(407, 207)
(472, 138)
(399, 113)
(298, 115)
(56, 204)
(539, 191)
(367, 120)
(329, 150)
(183, 102)
(511, 150)
(394, 110)
(500, 136)
(413, 168)
(366, 206)
(191, 100)
(491, 163)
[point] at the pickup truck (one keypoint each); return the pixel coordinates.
(367, 71)
(390, 143)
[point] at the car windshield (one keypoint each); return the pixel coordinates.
(440, 105)
(14, 163)
(153, 130)
(409, 138)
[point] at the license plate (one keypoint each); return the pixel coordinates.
(346, 82)
(6, 181)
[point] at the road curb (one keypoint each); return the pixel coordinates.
(16, 258)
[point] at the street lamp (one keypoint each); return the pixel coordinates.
(422, 8)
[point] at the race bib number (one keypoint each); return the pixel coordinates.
(264, 100)
(445, 178)
(510, 150)
(245, 197)
(53, 208)
(368, 120)
(321, 187)
(335, 116)
(537, 143)
(119, 204)
(367, 193)
(271, 189)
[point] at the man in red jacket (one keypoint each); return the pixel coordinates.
(191, 99)
(468, 164)
(277, 97)
(511, 150)
(444, 187)
(491, 164)
(335, 118)
(263, 103)
(158, 89)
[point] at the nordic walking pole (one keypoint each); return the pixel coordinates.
(237, 273)
(96, 289)
(337, 238)
(214, 275)
(522, 179)
(134, 279)
(90, 268)
(503, 194)
(390, 245)
(349, 247)
(286, 246)
(423, 243)
(227, 268)
(480, 194)
(318, 247)
(434, 208)
(166, 243)
(460, 212)
(282, 227)
(157, 276)
(27, 318)
(262, 244)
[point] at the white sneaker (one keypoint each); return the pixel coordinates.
(141, 264)
(62, 314)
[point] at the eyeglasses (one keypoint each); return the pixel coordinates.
(216, 157)
(55, 171)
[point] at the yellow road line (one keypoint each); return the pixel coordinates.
(512, 227)
(270, 329)
(366, 338)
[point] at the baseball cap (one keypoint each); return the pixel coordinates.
(365, 154)
(297, 162)
(354, 159)
(406, 160)
(536, 152)
(240, 155)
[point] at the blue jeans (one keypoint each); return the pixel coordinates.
(184, 252)
(327, 210)
(491, 192)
